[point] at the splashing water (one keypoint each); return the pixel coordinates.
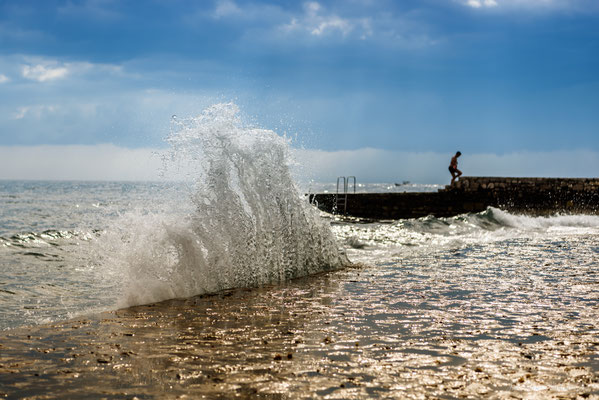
(247, 223)
(386, 241)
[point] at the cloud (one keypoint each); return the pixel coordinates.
(265, 14)
(313, 18)
(100, 162)
(96, 104)
(42, 69)
(317, 22)
(331, 24)
(321, 22)
(363, 21)
(38, 112)
(43, 73)
(4, 78)
(533, 5)
(226, 8)
(481, 3)
(21, 112)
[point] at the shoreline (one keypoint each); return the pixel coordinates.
(317, 336)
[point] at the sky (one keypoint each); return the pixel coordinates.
(383, 90)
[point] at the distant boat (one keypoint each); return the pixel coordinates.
(403, 183)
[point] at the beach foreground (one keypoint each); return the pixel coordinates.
(354, 333)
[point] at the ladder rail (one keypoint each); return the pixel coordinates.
(354, 180)
(341, 201)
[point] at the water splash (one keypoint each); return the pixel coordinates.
(373, 242)
(246, 225)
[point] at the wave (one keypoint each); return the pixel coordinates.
(372, 242)
(247, 223)
(525, 222)
(46, 238)
(493, 219)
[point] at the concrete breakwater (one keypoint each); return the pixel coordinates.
(533, 196)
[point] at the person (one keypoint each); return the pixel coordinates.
(453, 167)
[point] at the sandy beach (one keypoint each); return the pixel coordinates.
(338, 335)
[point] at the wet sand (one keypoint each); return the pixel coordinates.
(366, 332)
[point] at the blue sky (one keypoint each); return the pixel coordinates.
(496, 77)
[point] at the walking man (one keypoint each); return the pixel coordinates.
(453, 167)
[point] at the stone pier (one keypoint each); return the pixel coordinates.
(533, 196)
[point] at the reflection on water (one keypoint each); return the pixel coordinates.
(517, 318)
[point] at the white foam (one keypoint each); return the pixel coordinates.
(374, 243)
(532, 223)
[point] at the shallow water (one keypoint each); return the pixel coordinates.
(483, 305)
(459, 328)
(49, 249)
(49, 271)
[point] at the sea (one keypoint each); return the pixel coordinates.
(240, 218)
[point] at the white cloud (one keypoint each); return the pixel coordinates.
(332, 23)
(226, 8)
(100, 162)
(362, 20)
(532, 5)
(21, 112)
(94, 108)
(37, 111)
(312, 7)
(3, 78)
(317, 22)
(403, 30)
(41, 69)
(266, 13)
(43, 73)
(481, 3)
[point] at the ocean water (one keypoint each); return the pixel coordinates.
(70, 248)
(239, 219)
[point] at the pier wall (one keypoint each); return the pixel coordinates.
(533, 196)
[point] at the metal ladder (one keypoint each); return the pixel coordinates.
(341, 201)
